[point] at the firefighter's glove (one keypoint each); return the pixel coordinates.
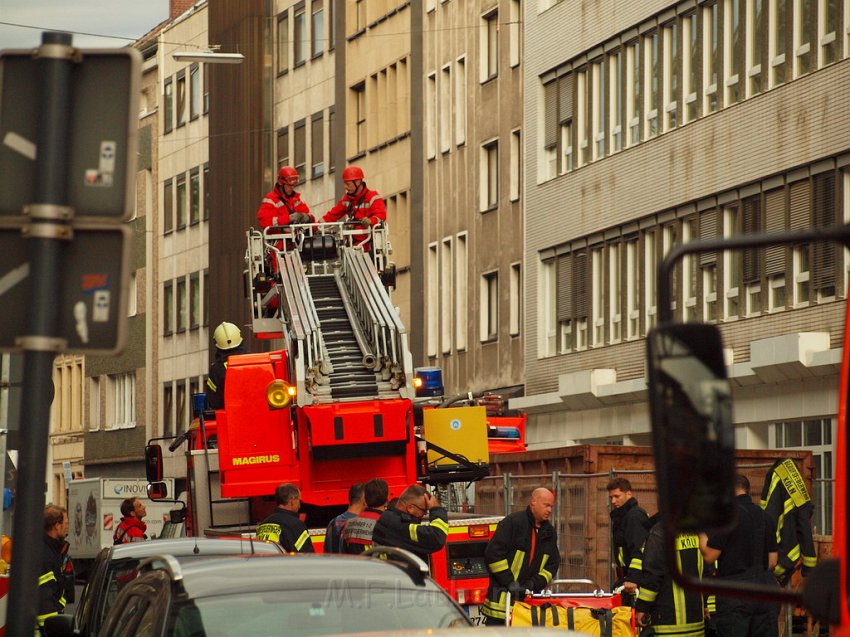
(299, 217)
(365, 222)
(517, 591)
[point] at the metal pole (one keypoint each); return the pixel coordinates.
(46, 251)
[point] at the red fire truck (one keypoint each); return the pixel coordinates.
(691, 404)
(333, 404)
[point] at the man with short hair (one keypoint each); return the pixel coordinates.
(356, 504)
(358, 531)
(401, 526)
(131, 528)
(284, 526)
(629, 532)
(522, 555)
(56, 578)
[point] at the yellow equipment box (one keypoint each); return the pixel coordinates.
(461, 430)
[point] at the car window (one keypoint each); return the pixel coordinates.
(118, 575)
(127, 617)
(325, 612)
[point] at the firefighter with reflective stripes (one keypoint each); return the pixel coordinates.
(56, 579)
(401, 525)
(228, 342)
(357, 532)
(662, 603)
(786, 500)
(629, 532)
(522, 555)
(284, 526)
(358, 204)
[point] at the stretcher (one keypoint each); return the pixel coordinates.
(592, 610)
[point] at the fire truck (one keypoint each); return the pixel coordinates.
(334, 404)
(691, 406)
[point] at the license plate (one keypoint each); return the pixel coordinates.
(474, 612)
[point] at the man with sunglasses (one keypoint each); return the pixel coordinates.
(401, 526)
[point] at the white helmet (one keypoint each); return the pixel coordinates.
(227, 336)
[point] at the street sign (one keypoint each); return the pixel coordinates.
(90, 293)
(103, 132)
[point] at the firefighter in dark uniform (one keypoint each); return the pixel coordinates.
(56, 579)
(746, 553)
(662, 603)
(628, 530)
(401, 525)
(228, 342)
(522, 555)
(357, 532)
(284, 526)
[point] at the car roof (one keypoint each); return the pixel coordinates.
(246, 573)
(191, 546)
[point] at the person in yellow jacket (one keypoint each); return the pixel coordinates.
(284, 526)
(5, 554)
(53, 580)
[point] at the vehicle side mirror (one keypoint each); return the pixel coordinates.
(690, 403)
(153, 463)
(157, 491)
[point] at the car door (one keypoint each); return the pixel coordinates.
(140, 610)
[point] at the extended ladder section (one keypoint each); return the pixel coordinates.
(317, 286)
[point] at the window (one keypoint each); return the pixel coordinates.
(196, 97)
(181, 201)
(597, 108)
(755, 46)
(446, 115)
(360, 117)
(515, 299)
(283, 146)
(690, 68)
(547, 308)
(168, 111)
(431, 116)
(777, 41)
(331, 25)
(94, 403)
(433, 299)
(670, 89)
(824, 263)
(121, 401)
(461, 291)
(182, 305)
(206, 287)
(317, 144)
(774, 256)
(557, 125)
(711, 57)
(181, 98)
(360, 15)
(489, 198)
(206, 191)
(446, 296)
(752, 257)
(615, 101)
(828, 30)
(194, 300)
(652, 81)
(634, 96)
(206, 84)
(300, 147)
(331, 137)
(804, 56)
(283, 42)
(597, 292)
(132, 296)
(181, 419)
(516, 164)
(194, 196)
(299, 39)
(650, 266)
(489, 307)
(731, 265)
(515, 33)
(581, 301)
(317, 26)
(615, 291)
(690, 271)
(460, 102)
(799, 209)
(708, 266)
(167, 206)
(168, 308)
(733, 51)
(632, 288)
(489, 46)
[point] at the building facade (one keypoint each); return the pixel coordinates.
(654, 123)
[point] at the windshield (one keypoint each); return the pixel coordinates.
(340, 609)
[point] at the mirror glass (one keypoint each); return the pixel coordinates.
(157, 491)
(692, 428)
(153, 463)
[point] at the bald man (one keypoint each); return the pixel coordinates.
(523, 555)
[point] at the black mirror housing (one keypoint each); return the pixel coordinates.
(157, 491)
(153, 463)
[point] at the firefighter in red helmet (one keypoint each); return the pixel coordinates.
(283, 204)
(358, 204)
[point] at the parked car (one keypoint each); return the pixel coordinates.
(116, 566)
(297, 594)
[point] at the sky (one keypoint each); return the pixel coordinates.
(121, 21)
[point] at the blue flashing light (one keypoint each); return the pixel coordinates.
(511, 433)
(432, 381)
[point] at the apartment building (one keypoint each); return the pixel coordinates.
(473, 209)
(659, 122)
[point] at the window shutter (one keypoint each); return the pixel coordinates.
(708, 230)
(550, 104)
(565, 98)
(580, 285)
(774, 209)
(799, 206)
(752, 225)
(564, 292)
(824, 216)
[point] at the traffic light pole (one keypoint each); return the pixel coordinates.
(47, 235)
